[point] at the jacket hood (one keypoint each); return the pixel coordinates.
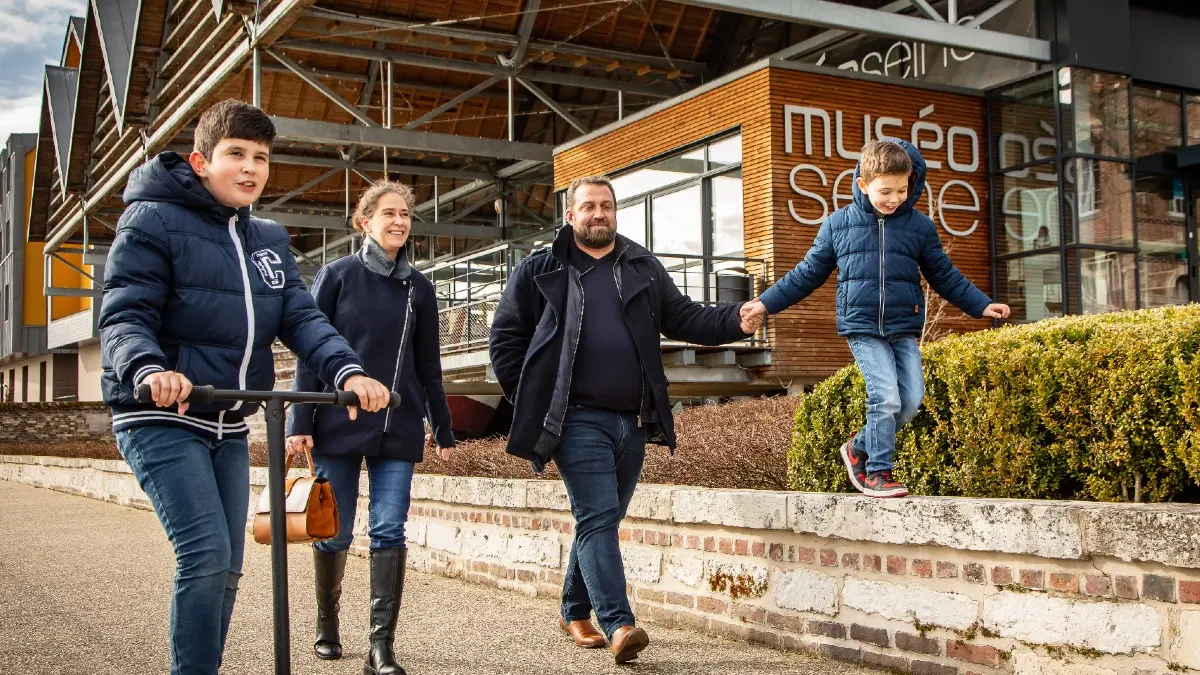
(916, 181)
(169, 178)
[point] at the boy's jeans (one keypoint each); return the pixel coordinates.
(200, 489)
(390, 494)
(600, 458)
(891, 368)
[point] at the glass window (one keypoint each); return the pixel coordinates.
(1102, 196)
(676, 222)
(1157, 121)
(1105, 280)
(1028, 209)
(631, 221)
(1032, 286)
(728, 238)
(1162, 242)
(1193, 119)
(660, 174)
(1023, 122)
(725, 152)
(1100, 102)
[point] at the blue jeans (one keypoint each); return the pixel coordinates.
(891, 368)
(600, 459)
(391, 492)
(200, 489)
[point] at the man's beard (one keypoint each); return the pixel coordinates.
(594, 237)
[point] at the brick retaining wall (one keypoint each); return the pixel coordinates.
(55, 422)
(938, 586)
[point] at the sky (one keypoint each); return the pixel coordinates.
(31, 36)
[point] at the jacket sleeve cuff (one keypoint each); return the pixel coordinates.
(773, 300)
(145, 370)
(345, 371)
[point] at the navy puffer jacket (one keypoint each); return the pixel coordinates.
(203, 289)
(880, 260)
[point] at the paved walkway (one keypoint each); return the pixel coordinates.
(85, 585)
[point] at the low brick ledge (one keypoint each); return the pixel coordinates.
(948, 586)
(1065, 530)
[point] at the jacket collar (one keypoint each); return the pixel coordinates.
(377, 260)
(627, 249)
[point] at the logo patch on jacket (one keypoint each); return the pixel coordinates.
(270, 266)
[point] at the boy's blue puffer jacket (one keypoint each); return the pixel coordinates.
(880, 261)
(199, 288)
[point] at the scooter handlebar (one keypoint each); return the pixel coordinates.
(209, 394)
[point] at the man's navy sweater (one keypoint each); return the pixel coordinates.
(607, 374)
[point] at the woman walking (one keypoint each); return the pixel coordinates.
(387, 312)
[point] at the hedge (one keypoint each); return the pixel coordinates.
(1103, 407)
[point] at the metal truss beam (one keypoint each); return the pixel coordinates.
(470, 93)
(553, 105)
(509, 40)
(311, 80)
(330, 133)
(486, 69)
(874, 22)
(317, 222)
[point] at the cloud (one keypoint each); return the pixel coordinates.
(34, 23)
(19, 115)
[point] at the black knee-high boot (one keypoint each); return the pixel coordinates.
(329, 569)
(387, 587)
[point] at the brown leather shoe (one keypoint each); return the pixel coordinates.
(628, 642)
(583, 633)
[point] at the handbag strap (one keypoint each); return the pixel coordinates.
(312, 469)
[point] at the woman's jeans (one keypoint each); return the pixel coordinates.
(891, 368)
(200, 490)
(390, 483)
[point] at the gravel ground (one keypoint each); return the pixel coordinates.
(85, 588)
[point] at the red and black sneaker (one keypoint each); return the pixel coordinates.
(856, 464)
(881, 484)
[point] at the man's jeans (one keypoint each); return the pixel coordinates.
(891, 368)
(600, 457)
(391, 491)
(200, 489)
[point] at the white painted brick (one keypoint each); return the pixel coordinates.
(550, 495)
(474, 491)
(686, 568)
(443, 537)
(642, 564)
(806, 591)
(908, 602)
(509, 494)
(484, 543)
(752, 509)
(414, 531)
(1187, 639)
(651, 502)
(1114, 628)
(539, 549)
(748, 579)
(428, 487)
(1032, 663)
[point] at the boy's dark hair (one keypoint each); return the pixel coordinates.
(883, 158)
(232, 119)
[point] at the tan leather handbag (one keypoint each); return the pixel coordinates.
(311, 510)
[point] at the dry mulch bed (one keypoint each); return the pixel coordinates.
(741, 445)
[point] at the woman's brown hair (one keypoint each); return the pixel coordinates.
(369, 200)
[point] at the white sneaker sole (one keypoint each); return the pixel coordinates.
(885, 494)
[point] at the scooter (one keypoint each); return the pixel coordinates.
(273, 407)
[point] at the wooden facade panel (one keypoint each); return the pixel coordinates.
(771, 106)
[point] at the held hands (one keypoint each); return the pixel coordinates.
(168, 388)
(295, 444)
(752, 314)
(372, 395)
(997, 310)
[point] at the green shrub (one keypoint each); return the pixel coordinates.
(1103, 407)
